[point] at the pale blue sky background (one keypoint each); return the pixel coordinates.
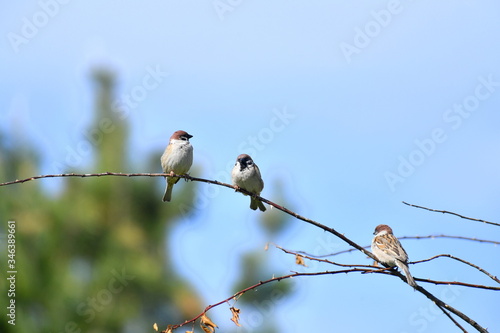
(352, 120)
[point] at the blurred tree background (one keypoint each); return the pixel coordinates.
(94, 258)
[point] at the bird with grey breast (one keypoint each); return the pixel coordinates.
(246, 175)
(176, 160)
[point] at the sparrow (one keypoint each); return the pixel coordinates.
(176, 159)
(246, 175)
(388, 250)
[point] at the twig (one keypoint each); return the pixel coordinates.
(452, 237)
(442, 304)
(494, 278)
(389, 271)
(332, 254)
(83, 175)
(322, 260)
(215, 182)
(453, 319)
(458, 283)
(403, 238)
(374, 269)
(452, 213)
(260, 283)
(436, 282)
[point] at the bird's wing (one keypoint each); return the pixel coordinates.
(391, 246)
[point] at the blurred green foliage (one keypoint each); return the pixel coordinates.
(93, 257)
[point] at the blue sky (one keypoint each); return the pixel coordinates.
(354, 106)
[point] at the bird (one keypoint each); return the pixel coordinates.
(388, 250)
(176, 159)
(246, 175)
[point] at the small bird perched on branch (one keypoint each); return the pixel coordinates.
(388, 250)
(177, 159)
(246, 175)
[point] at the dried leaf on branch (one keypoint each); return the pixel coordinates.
(207, 325)
(299, 260)
(236, 315)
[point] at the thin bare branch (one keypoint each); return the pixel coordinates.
(389, 271)
(261, 283)
(442, 304)
(458, 283)
(323, 260)
(215, 182)
(452, 319)
(452, 213)
(452, 237)
(494, 278)
(403, 238)
(332, 254)
(84, 175)
(372, 269)
(436, 282)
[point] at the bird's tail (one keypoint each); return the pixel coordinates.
(403, 266)
(168, 192)
(255, 203)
